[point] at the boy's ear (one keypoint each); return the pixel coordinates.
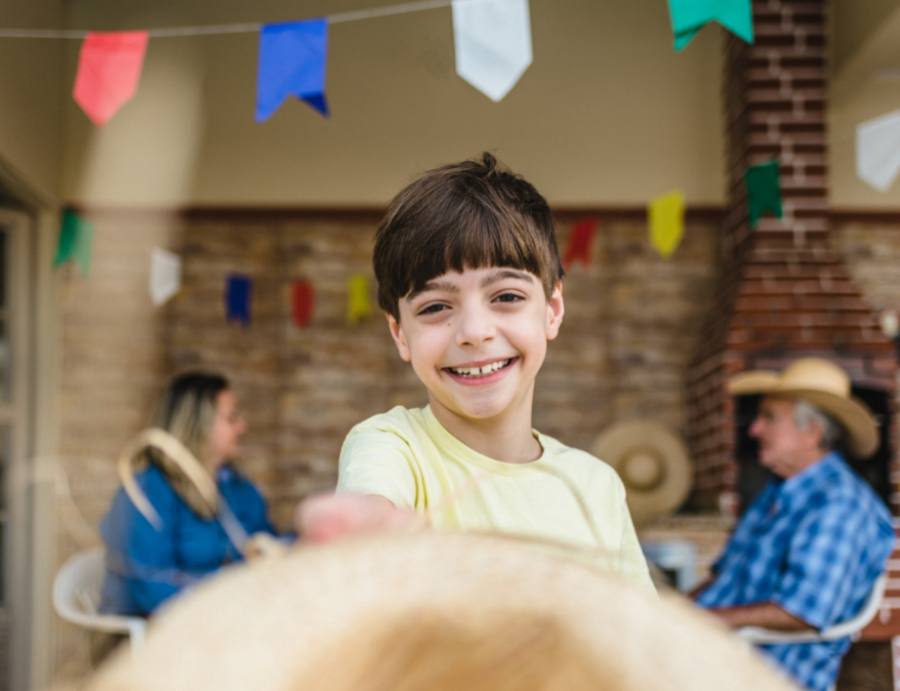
(398, 336)
(555, 311)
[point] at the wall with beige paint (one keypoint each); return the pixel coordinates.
(870, 99)
(31, 88)
(853, 22)
(606, 114)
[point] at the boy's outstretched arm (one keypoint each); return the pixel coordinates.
(325, 517)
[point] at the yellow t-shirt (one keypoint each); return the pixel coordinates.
(408, 457)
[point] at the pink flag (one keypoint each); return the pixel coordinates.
(109, 68)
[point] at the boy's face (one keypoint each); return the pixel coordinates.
(477, 339)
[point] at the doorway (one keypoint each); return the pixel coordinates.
(16, 481)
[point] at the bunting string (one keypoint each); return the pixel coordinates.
(238, 28)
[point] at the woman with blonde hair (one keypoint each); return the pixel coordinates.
(147, 564)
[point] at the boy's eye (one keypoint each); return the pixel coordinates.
(432, 309)
(508, 297)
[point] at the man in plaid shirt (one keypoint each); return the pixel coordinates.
(808, 551)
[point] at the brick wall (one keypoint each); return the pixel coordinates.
(112, 363)
(631, 319)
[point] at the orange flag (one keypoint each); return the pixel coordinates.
(109, 69)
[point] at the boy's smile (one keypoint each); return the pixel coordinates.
(477, 339)
(480, 372)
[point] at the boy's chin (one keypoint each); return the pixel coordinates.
(482, 411)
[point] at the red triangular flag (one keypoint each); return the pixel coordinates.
(109, 68)
(302, 302)
(579, 247)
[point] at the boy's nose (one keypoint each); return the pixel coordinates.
(475, 327)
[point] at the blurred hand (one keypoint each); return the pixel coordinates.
(325, 517)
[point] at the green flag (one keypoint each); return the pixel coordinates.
(76, 237)
(689, 16)
(763, 191)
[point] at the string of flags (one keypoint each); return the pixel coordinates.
(665, 216)
(491, 38)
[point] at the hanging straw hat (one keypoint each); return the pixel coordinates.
(652, 462)
(824, 385)
(431, 611)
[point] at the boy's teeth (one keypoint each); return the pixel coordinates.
(480, 371)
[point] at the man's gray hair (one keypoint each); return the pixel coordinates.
(806, 414)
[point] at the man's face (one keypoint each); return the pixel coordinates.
(477, 339)
(784, 448)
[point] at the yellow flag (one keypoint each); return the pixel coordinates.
(359, 304)
(666, 222)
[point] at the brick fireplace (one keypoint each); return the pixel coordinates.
(784, 292)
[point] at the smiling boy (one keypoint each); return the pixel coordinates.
(470, 280)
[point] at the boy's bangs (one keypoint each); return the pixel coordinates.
(475, 242)
(469, 215)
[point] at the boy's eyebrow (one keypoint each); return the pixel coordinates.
(446, 286)
(500, 274)
(450, 287)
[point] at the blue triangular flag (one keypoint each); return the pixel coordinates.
(689, 16)
(237, 298)
(292, 59)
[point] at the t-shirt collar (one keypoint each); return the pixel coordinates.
(455, 447)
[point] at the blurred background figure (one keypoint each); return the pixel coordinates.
(810, 548)
(146, 565)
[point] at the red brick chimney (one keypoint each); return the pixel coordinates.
(784, 291)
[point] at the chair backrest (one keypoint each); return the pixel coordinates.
(76, 597)
(841, 630)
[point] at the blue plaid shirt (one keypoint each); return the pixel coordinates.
(814, 545)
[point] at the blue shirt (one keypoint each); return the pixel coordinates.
(146, 566)
(814, 545)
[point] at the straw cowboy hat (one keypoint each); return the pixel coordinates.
(431, 611)
(824, 385)
(652, 462)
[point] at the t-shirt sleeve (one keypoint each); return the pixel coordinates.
(632, 562)
(378, 462)
(821, 560)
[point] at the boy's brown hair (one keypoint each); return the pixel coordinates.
(464, 215)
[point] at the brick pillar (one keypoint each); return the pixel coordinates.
(783, 291)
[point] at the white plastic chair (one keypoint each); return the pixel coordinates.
(852, 627)
(76, 597)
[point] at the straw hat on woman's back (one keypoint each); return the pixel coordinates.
(822, 384)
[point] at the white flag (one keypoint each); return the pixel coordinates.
(878, 151)
(165, 275)
(493, 43)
